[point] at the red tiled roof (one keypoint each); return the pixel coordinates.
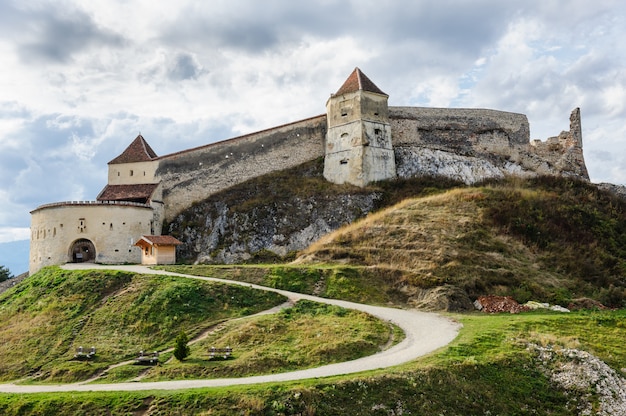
(358, 81)
(159, 240)
(138, 151)
(140, 192)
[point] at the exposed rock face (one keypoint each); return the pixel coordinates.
(586, 375)
(416, 161)
(214, 232)
(617, 190)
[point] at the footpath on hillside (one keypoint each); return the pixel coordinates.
(424, 332)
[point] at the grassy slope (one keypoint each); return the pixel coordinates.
(546, 239)
(308, 335)
(47, 316)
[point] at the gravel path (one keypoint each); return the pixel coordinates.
(425, 332)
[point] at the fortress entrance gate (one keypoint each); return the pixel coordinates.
(82, 251)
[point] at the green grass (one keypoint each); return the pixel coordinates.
(50, 314)
(486, 370)
(352, 283)
(308, 335)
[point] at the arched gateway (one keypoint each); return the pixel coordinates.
(83, 251)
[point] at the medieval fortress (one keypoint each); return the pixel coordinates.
(361, 139)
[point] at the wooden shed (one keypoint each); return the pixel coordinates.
(158, 249)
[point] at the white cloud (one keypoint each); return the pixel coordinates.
(8, 234)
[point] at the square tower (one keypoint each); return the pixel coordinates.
(358, 141)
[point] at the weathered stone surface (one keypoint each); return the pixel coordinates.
(617, 190)
(416, 161)
(230, 237)
(602, 389)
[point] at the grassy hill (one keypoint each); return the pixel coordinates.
(49, 315)
(548, 239)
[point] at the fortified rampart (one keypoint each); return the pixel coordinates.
(193, 175)
(465, 144)
(474, 144)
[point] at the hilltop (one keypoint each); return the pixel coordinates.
(426, 242)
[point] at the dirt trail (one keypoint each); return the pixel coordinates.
(425, 332)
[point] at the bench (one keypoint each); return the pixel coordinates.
(224, 353)
(84, 355)
(150, 359)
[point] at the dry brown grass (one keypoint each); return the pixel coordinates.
(417, 234)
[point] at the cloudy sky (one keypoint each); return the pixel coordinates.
(80, 79)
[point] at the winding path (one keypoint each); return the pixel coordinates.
(425, 332)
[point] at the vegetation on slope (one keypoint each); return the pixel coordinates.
(549, 239)
(49, 315)
(308, 335)
(546, 239)
(269, 218)
(337, 281)
(488, 369)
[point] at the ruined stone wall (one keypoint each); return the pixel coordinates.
(474, 144)
(563, 153)
(191, 176)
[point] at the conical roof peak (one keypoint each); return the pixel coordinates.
(138, 151)
(358, 81)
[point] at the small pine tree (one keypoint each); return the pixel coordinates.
(4, 274)
(181, 349)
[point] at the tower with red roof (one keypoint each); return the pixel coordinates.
(358, 141)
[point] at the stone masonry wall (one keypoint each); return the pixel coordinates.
(465, 144)
(111, 227)
(468, 132)
(474, 144)
(191, 176)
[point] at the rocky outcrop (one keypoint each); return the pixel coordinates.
(219, 232)
(422, 161)
(600, 390)
(617, 190)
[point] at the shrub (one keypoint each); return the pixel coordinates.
(181, 349)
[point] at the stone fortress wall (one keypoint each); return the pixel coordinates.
(465, 144)
(192, 175)
(474, 144)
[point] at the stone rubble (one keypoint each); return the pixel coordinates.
(498, 304)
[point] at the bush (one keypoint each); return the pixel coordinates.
(181, 349)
